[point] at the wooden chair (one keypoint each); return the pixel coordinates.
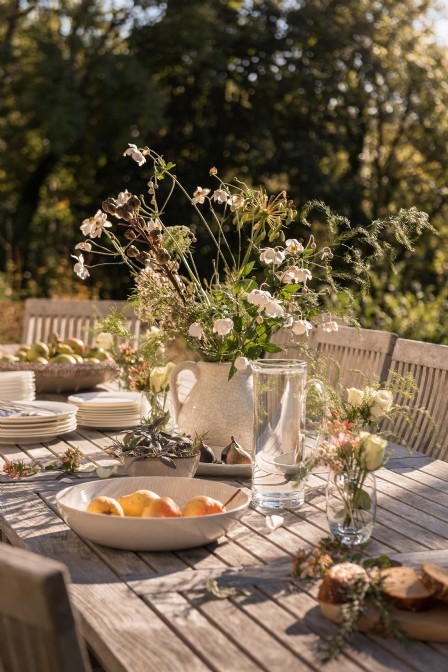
(349, 351)
(70, 319)
(37, 626)
(339, 355)
(428, 364)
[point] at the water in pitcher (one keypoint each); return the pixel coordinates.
(279, 436)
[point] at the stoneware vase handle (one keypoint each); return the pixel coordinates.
(183, 366)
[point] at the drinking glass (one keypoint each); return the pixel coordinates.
(280, 391)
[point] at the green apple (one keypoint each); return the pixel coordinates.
(10, 358)
(63, 359)
(37, 350)
(64, 349)
(76, 345)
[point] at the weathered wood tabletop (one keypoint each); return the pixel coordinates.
(151, 611)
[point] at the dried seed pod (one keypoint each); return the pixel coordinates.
(132, 251)
(130, 234)
(133, 202)
(162, 255)
(125, 213)
(144, 257)
(110, 206)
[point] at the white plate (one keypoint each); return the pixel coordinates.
(56, 409)
(109, 399)
(39, 431)
(108, 414)
(108, 426)
(228, 470)
(35, 438)
(150, 534)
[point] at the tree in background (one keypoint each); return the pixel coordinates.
(340, 101)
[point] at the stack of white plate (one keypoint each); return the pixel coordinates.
(47, 420)
(17, 386)
(108, 410)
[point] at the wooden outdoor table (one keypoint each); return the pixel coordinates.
(151, 611)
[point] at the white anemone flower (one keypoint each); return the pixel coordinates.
(259, 297)
(135, 153)
(123, 197)
(300, 327)
(241, 363)
(271, 256)
(154, 224)
(221, 196)
(331, 325)
(79, 268)
(85, 246)
(295, 274)
(200, 195)
(223, 326)
(303, 275)
(293, 246)
(236, 201)
(94, 226)
(273, 309)
(195, 330)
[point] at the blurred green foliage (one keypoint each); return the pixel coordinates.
(346, 102)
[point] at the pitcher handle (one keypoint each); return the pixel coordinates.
(183, 366)
(323, 404)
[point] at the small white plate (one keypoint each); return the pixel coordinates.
(124, 400)
(228, 470)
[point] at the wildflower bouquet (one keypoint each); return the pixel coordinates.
(353, 449)
(263, 283)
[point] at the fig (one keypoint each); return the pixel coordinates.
(206, 453)
(236, 454)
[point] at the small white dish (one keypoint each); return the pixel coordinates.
(151, 534)
(222, 469)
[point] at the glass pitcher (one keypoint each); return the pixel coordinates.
(280, 392)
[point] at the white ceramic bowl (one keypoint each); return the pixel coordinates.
(151, 534)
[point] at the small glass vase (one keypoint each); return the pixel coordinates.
(351, 506)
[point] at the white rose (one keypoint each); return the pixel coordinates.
(300, 327)
(383, 401)
(270, 256)
(373, 448)
(259, 297)
(355, 397)
(104, 340)
(223, 326)
(195, 330)
(241, 363)
(159, 378)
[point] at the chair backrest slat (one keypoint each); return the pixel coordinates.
(428, 364)
(356, 350)
(70, 319)
(344, 352)
(37, 627)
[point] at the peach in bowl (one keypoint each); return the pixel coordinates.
(151, 532)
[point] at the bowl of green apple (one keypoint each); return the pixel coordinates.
(63, 365)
